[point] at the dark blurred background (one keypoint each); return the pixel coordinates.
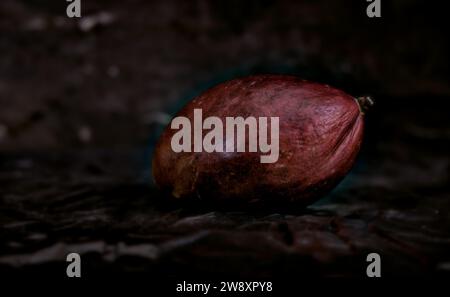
(82, 102)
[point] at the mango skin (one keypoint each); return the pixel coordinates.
(321, 130)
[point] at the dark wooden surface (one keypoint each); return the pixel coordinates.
(102, 205)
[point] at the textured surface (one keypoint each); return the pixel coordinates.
(93, 202)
